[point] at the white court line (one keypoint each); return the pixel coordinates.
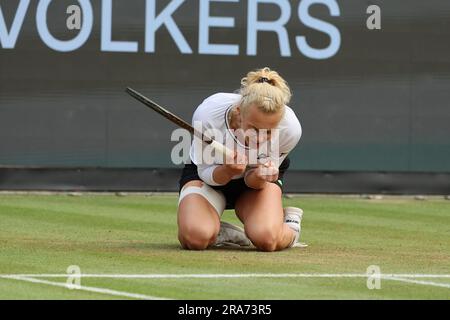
(425, 283)
(408, 278)
(85, 288)
(224, 276)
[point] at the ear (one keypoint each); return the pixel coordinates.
(238, 111)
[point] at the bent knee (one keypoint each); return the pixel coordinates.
(265, 239)
(197, 238)
(193, 183)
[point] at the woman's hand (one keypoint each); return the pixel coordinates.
(237, 165)
(257, 178)
(268, 172)
(234, 167)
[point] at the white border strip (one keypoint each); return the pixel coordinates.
(225, 276)
(84, 288)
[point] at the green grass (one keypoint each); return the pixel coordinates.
(137, 235)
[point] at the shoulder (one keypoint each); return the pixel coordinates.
(215, 105)
(290, 130)
(291, 124)
(222, 97)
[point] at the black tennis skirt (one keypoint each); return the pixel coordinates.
(233, 189)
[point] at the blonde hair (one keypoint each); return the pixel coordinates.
(266, 89)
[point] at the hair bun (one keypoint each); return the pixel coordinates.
(253, 85)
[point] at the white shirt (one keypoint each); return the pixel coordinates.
(213, 114)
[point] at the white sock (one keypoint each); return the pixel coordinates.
(293, 218)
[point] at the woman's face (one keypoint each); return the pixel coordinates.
(258, 125)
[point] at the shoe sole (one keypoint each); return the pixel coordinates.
(231, 226)
(235, 228)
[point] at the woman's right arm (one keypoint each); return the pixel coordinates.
(221, 174)
(224, 173)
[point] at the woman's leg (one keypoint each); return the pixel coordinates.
(198, 220)
(261, 211)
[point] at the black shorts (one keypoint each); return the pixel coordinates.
(233, 189)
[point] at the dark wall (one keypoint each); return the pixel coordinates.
(381, 103)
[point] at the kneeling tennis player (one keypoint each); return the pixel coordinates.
(254, 191)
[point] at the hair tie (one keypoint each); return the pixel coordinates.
(264, 80)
